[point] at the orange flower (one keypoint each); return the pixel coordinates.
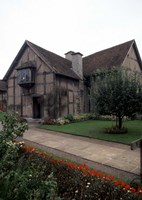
(85, 167)
(100, 174)
(80, 167)
(31, 149)
(116, 183)
(104, 176)
(122, 183)
(93, 172)
(111, 178)
(71, 165)
(28, 148)
(127, 187)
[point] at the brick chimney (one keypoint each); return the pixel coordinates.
(76, 59)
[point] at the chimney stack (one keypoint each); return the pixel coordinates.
(76, 59)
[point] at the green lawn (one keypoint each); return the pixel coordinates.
(94, 129)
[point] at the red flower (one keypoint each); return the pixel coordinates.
(111, 178)
(52, 160)
(80, 167)
(122, 183)
(104, 176)
(85, 167)
(133, 189)
(139, 190)
(116, 183)
(127, 187)
(100, 174)
(31, 149)
(93, 172)
(71, 165)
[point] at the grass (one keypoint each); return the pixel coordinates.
(94, 129)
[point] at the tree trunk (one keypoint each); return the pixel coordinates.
(119, 122)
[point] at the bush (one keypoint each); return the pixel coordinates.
(48, 121)
(69, 117)
(21, 176)
(1, 115)
(13, 125)
(62, 121)
(26, 185)
(115, 130)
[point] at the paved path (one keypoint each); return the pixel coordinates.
(111, 154)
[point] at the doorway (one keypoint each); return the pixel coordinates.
(36, 107)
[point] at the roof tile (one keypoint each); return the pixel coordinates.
(59, 64)
(113, 56)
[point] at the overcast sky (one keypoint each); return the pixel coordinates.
(85, 26)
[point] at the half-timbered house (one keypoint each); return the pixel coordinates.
(43, 84)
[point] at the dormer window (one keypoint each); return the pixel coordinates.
(26, 75)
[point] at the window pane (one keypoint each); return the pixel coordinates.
(24, 75)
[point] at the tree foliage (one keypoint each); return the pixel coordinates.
(116, 91)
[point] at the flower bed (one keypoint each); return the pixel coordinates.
(76, 118)
(79, 181)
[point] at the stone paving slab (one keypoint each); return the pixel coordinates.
(111, 154)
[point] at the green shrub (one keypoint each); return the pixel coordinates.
(69, 117)
(21, 176)
(13, 125)
(1, 115)
(26, 185)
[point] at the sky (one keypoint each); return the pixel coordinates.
(84, 26)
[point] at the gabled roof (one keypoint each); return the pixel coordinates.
(56, 63)
(110, 57)
(2, 86)
(113, 56)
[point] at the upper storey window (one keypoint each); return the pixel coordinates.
(26, 75)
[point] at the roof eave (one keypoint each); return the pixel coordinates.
(42, 57)
(76, 78)
(137, 53)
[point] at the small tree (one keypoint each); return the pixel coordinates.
(116, 91)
